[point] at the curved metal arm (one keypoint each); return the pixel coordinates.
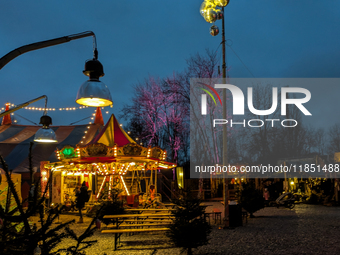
(39, 45)
(24, 105)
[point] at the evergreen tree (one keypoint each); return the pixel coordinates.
(251, 198)
(189, 229)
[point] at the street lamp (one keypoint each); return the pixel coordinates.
(211, 12)
(44, 134)
(91, 93)
(94, 92)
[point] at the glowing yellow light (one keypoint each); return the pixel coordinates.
(46, 141)
(127, 192)
(292, 183)
(97, 102)
(221, 3)
(110, 183)
(101, 187)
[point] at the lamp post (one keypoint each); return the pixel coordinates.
(211, 12)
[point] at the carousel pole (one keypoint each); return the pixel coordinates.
(156, 182)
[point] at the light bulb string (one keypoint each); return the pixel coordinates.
(48, 109)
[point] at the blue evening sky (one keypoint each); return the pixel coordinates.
(135, 39)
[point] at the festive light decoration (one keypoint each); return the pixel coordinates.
(44, 179)
(32, 108)
(101, 187)
(110, 184)
(210, 12)
(221, 3)
(214, 30)
(219, 14)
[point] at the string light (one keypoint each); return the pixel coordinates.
(49, 109)
(127, 191)
(115, 151)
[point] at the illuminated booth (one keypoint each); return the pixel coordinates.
(111, 160)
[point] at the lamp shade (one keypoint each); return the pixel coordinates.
(45, 135)
(94, 93)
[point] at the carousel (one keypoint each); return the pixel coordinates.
(111, 161)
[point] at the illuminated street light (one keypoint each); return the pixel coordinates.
(44, 134)
(94, 92)
(91, 93)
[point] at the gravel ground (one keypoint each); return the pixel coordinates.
(307, 229)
